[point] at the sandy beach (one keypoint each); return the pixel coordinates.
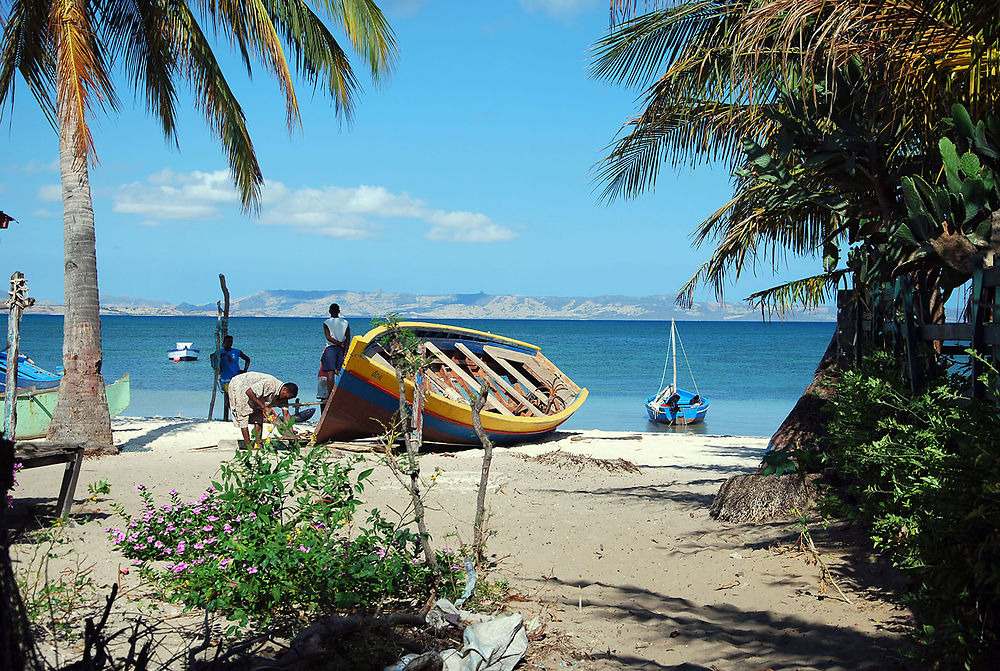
(626, 570)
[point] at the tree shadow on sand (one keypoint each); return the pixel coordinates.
(725, 636)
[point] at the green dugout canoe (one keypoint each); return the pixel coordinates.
(34, 408)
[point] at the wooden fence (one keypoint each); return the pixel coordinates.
(896, 317)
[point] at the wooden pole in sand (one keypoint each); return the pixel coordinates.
(221, 330)
(18, 302)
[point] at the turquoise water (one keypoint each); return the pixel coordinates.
(752, 372)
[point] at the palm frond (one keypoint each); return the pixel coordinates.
(197, 63)
(80, 71)
(135, 31)
(318, 56)
(367, 30)
(807, 293)
(26, 49)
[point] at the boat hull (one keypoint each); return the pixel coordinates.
(35, 407)
(366, 398)
(29, 374)
(683, 414)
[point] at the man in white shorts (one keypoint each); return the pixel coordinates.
(253, 396)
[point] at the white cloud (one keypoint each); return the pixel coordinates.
(350, 213)
(559, 8)
(467, 227)
(50, 193)
(174, 196)
(42, 213)
(34, 167)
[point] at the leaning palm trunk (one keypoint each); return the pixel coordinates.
(756, 497)
(81, 415)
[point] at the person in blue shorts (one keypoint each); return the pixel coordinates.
(229, 359)
(337, 336)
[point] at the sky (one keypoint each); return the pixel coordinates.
(470, 169)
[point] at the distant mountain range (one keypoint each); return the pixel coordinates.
(289, 303)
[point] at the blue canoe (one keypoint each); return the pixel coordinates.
(29, 374)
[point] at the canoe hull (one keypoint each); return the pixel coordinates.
(366, 398)
(682, 415)
(35, 408)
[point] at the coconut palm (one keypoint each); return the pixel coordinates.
(718, 74)
(65, 51)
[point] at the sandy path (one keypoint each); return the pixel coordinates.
(627, 570)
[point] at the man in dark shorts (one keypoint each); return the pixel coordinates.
(228, 361)
(337, 333)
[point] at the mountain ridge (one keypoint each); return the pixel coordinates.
(302, 303)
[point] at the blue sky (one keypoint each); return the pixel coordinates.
(469, 170)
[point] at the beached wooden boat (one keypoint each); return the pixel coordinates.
(672, 405)
(35, 407)
(529, 396)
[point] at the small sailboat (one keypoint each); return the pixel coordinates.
(184, 351)
(673, 405)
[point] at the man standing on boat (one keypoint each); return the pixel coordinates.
(228, 360)
(253, 397)
(338, 336)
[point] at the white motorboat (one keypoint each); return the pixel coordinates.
(184, 351)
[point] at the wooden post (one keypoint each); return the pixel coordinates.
(18, 302)
(911, 335)
(479, 525)
(978, 318)
(221, 331)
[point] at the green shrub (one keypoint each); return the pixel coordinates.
(924, 474)
(277, 535)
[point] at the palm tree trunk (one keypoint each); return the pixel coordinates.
(81, 415)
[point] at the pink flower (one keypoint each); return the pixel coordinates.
(252, 570)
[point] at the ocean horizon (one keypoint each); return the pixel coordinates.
(752, 372)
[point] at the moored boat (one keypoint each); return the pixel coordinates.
(672, 405)
(528, 396)
(185, 351)
(29, 374)
(35, 406)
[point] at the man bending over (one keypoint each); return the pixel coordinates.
(253, 396)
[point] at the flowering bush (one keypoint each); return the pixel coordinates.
(13, 483)
(275, 535)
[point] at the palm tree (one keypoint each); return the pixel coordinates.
(718, 74)
(64, 51)
(820, 108)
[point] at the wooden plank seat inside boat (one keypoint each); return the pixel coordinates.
(36, 455)
(559, 391)
(473, 384)
(506, 386)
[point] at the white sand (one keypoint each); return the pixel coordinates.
(627, 570)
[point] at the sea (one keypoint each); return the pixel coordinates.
(752, 372)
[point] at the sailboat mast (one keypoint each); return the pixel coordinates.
(673, 351)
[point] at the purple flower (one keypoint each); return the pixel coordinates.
(140, 488)
(252, 570)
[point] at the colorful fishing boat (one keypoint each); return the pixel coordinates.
(672, 405)
(528, 396)
(29, 374)
(35, 404)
